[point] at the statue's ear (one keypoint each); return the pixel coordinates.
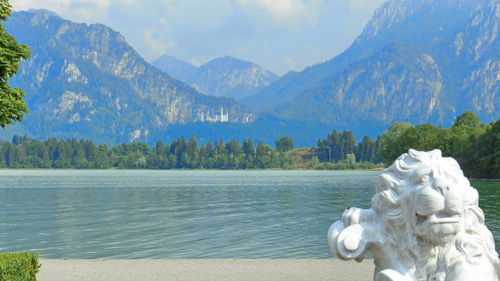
(412, 152)
(435, 154)
(471, 197)
(387, 181)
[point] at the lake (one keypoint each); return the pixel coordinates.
(131, 214)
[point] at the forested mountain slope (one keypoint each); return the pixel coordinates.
(416, 61)
(85, 81)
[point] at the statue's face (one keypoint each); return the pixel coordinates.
(439, 192)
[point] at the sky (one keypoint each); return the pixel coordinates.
(280, 35)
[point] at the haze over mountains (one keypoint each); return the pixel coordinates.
(225, 77)
(177, 68)
(416, 61)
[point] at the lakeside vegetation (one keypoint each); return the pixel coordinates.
(476, 146)
(24, 152)
(473, 144)
(19, 266)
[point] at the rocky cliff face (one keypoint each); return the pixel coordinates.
(231, 77)
(222, 77)
(86, 81)
(371, 90)
(416, 60)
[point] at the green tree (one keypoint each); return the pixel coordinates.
(179, 147)
(103, 159)
(284, 144)
(330, 149)
(348, 144)
(263, 156)
(366, 150)
(192, 153)
(40, 151)
(159, 148)
(350, 159)
(466, 128)
(423, 137)
(206, 156)
(90, 150)
(233, 148)
(481, 158)
(390, 145)
(248, 148)
(12, 106)
(20, 139)
(376, 150)
(334, 146)
(10, 154)
(219, 154)
(467, 119)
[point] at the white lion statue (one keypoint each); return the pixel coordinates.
(425, 224)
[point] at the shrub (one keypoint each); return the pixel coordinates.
(18, 267)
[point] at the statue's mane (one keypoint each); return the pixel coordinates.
(394, 204)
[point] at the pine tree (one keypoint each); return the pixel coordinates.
(284, 144)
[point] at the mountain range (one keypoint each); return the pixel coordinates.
(175, 67)
(416, 61)
(225, 77)
(85, 81)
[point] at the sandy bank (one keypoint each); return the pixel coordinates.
(205, 270)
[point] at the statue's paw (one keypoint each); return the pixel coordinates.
(353, 242)
(333, 235)
(350, 240)
(347, 243)
(391, 275)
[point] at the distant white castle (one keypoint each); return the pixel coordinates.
(220, 117)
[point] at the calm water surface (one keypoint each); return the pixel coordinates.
(184, 214)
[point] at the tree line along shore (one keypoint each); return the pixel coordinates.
(475, 145)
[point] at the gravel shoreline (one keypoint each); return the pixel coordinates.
(205, 270)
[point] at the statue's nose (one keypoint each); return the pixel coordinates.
(442, 185)
(453, 198)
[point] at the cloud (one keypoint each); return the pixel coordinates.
(280, 35)
(290, 62)
(158, 46)
(290, 14)
(26, 4)
(365, 4)
(90, 11)
(278, 8)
